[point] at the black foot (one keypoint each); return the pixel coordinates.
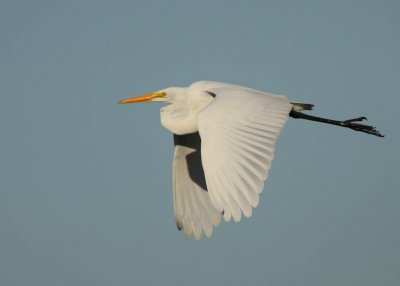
(361, 127)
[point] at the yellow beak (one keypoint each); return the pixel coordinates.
(143, 98)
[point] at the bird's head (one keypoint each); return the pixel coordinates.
(168, 95)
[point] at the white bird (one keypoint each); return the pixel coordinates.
(224, 137)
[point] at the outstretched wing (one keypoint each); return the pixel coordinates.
(238, 132)
(193, 209)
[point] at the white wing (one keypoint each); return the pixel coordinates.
(238, 132)
(193, 209)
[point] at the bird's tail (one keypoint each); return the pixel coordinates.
(301, 106)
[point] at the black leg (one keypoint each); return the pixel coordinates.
(345, 123)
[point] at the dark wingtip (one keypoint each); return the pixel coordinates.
(179, 225)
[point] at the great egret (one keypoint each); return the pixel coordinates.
(224, 137)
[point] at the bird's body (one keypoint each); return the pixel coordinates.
(181, 117)
(224, 137)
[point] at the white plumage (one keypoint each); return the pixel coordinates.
(224, 143)
(238, 131)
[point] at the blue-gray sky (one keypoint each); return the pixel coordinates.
(85, 188)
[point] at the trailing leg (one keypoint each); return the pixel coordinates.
(345, 123)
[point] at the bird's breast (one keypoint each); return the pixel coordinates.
(179, 119)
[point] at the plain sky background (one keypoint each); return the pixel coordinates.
(85, 183)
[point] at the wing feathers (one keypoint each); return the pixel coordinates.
(194, 212)
(238, 132)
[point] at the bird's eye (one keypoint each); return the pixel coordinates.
(164, 93)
